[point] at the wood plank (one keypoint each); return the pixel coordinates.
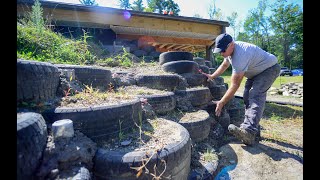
(180, 46)
(171, 46)
(168, 40)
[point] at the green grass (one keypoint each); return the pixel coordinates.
(277, 83)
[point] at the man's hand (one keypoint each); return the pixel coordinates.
(219, 106)
(208, 75)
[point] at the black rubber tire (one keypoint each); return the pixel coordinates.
(99, 122)
(90, 75)
(148, 49)
(180, 67)
(205, 69)
(208, 63)
(116, 165)
(174, 56)
(199, 60)
(236, 115)
(218, 91)
(195, 79)
(140, 53)
(198, 96)
(224, 119)
(31, 142)
(161, 82)
(161, 104)
(198, 129)
(36, 81)
(212, 70)
(219, 80)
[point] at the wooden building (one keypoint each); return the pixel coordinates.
(164, 32)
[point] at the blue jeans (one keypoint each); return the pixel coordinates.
(254, 97)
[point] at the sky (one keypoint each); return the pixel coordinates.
(191, 7)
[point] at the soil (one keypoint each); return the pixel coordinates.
(90, 99)
(138, 90)
(193, 116)
(147, 68)
(154, 134)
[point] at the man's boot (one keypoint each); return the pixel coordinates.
(245, 136)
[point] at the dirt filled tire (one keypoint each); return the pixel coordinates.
(116, 165)
(31, 142)
(36, 81)
(161, 104)
(199, 60)
(197, 96)
(219, 80)
(198, 128)
(195, 79)
(174, 56)
(99, 122)
(218, 91)
(224, 119)
(89, 75)
(162, 82)
(180, 67)
(208, 63)
(205, 69)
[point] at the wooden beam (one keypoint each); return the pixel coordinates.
(168, 40)
(188, 46)
(163, 45)
(180, 46)
(169, 47)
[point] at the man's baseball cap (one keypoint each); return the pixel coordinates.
(222, 42)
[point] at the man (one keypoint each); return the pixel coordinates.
(259, 67)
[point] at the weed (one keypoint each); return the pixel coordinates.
(275, 117)
(209, 156)
(145, 161)
(121, 134)
(36, 17)
(111, 88)
(67, 92)
(89, 89)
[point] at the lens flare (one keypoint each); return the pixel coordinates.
(126, 15)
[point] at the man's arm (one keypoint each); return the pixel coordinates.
(236, 79)
(223, 66)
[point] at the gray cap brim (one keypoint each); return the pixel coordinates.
(216, 50)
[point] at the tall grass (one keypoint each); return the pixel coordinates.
(37, 42)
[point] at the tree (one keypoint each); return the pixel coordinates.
(287, 23)
(156, 5)
(125, 4)
(170, 5)
(264, 25)
(138, 5)
(160, 5)
(232, 22)
(215, 13)
(89, 2)
(197, 15)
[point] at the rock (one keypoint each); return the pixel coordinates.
(126, 142)
(62, 129)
